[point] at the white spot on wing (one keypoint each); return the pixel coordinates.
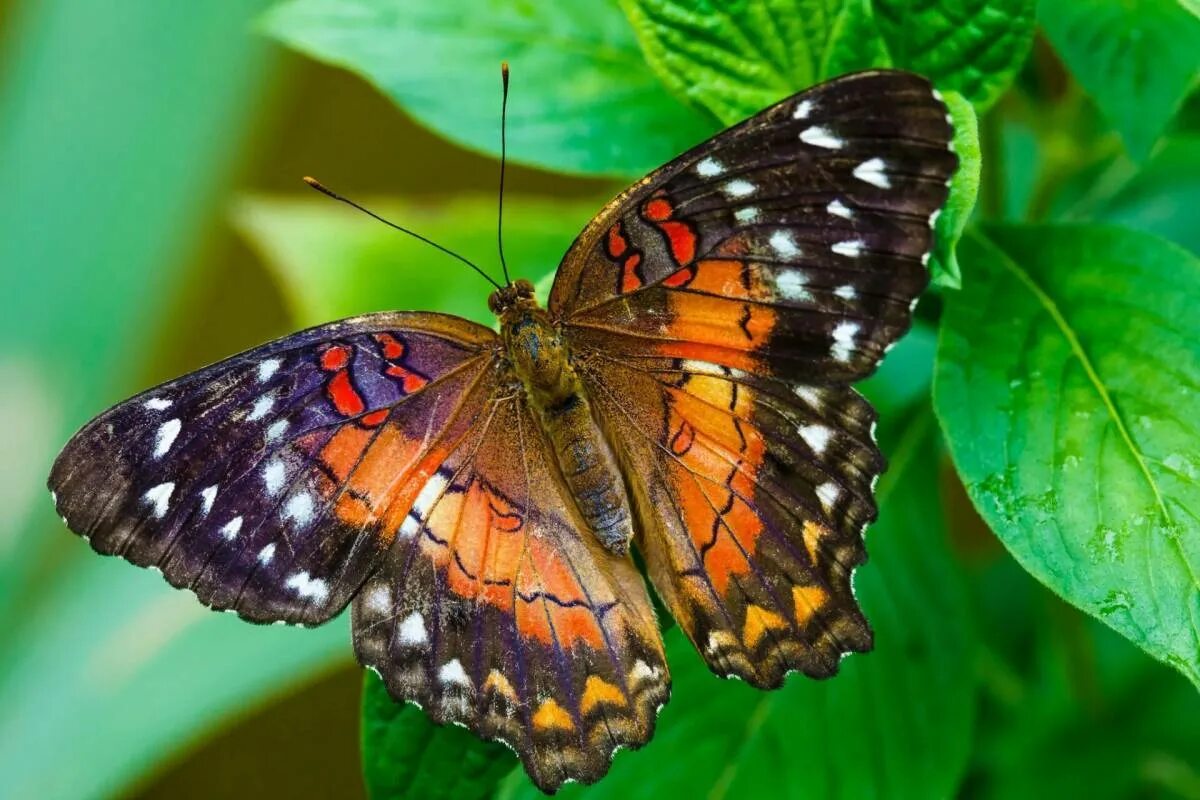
(739, 188)
(747, 214)
(309, 587)
(231, 529)
(852, 248)
(276, 429)
(643, 672)
(430, 493)
(843, 340)
(702, 367)
(872, 171)
(783, 244)
(261, 406)
(379, 599)
(803, 109)
(166, 436)
(273, 474)
(266, 554)
(268, 368)
(157, 403)
(846, 292)
(828, 493)
(452, 672)
(819, 136)
(792, 285)
(207, 497)
(816, 437)
(808, 394)
(159, 497)
(933, 218)
(412, 630)
(709, 168)
(299, 508)
(839, 209)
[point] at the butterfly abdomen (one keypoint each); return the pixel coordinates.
(585, 460)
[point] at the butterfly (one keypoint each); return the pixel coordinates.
(474, 495)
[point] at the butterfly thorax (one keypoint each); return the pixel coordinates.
(541, 360)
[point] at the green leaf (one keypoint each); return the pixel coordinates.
(734, 59)
(407, 756)
(583, 99)
(1153, 198)
(1137, 58)
(894, 723)
(1068, 387)
(973, 47)
(964, 188)
(332, 263)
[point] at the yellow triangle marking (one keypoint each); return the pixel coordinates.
(597, 691)
(813, 534)
(551, 715)
(808, 600)
(498, 683)
(758, 620)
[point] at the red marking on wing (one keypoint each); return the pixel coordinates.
(617, 243)
(682, 239)
(391, 346)
(335, 358)
(680, 277)
(657, 209)
(374, 418)
(344, 396)
(409, 381)
(630, 279)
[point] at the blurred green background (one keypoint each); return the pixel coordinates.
(152, 221)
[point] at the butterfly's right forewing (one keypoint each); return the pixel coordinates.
(271, 483)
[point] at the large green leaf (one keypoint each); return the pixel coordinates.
(1153, 199)
(406, 756)
(894, 723)
(1137, 58)
(1068, 386)
(583, 99)
(736, 58)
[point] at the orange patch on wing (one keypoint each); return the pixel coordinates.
(758, 621)
(597, 691)
(551, 715)
(374, 418)
(335, 358)
(808, 601)
(720, 321)
(682, 440)
(726, 278)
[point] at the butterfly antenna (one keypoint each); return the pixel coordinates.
(320, 187)
(503, 158)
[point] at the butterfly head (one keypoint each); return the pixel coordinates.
(517, 294)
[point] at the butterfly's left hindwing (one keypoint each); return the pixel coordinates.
(496, 609)
(270, 483)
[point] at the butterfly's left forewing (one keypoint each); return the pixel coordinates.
(270, 483)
